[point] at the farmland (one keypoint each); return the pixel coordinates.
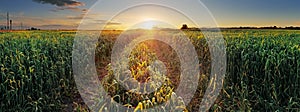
(262, 72)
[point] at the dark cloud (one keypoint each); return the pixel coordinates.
(64, 5)
(61, 3)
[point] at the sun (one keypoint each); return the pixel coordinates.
(148, 23)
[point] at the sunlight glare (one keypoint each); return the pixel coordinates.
(148, 23)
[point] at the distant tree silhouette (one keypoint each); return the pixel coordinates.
(33, 28)
(184, 26)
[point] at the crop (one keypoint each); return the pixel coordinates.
(262, 72)
(36, 71)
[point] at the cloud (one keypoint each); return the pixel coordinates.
(99, 21)
(75, 17)
(103, 21)
(57, 26)
(95, 24)
(113, 23)
(79, 17)
(61, 3)
(66, 8)
(38, 22)
(64, 5)
(84, 10)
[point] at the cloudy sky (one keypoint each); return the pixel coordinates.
(67, 14)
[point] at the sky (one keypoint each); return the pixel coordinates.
(68, 14)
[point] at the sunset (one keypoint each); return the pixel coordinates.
(149, 55)
(67, 14)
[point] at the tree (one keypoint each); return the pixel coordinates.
(184, 26)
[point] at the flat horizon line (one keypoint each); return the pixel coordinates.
(192, 28)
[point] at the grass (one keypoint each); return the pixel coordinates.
(262, 72)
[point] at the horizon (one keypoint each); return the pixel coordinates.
(158, 28)
(67, 14)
